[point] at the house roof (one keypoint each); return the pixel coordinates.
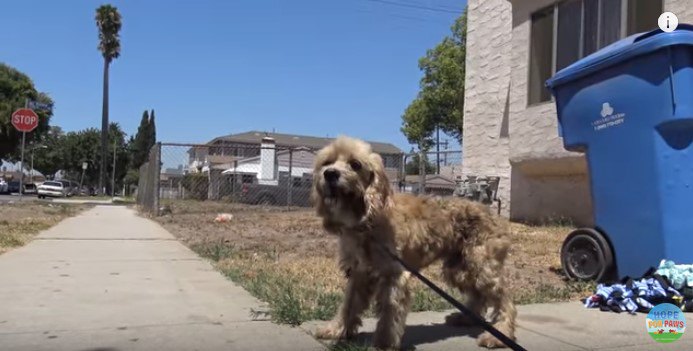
(257, 158)
(216, 159)
(432, 180)
(293, 140)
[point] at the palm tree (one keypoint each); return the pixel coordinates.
(108, 22)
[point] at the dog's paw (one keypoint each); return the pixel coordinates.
(489, 341)
(457, 319)
(330, 333)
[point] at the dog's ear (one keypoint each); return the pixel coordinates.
(377, 175)
(378, 190)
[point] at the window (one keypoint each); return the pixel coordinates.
(391, 161)
(569, 30)
(248, 179)
(541, 55)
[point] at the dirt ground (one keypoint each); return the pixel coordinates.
(21, 221)
(275, 243)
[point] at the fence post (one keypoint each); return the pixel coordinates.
(157, 178)
(422, 172)
(234, 181)
(402, 172)
(290, 184)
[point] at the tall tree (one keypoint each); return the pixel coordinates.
(440, 102)
(108, 21)
(84, 145)
(412, 166)
(140, 148)
(15, 88)
(48, 152)
(152, 131)
(117, 140)
(418, 124)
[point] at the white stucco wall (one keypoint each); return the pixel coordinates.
(486, 142)
(543, 189)
(683, 9)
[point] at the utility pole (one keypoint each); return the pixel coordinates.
(422, 172)
(21, 167)
(437, 149)
(115, 147)
(31, 172)
(33, 148)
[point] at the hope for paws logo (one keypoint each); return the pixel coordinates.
(666, 323)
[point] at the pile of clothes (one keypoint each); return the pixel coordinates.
(670, 283)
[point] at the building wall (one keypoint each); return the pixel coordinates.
(302, 159)
(506, 137)
(487, 83)
(683, 9)
(548, 182)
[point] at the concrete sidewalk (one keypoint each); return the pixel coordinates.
(542, 327)
(109, 280)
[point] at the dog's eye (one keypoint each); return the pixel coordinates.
(326, 163)
(355, 165)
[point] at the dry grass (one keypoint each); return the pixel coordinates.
(285, 258)
(21, 221)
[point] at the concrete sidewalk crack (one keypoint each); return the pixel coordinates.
(552, 338)
(135, 327)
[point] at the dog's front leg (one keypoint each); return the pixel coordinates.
(392, 306)
(357, 297)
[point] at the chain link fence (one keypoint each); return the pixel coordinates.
(439, 171)
(272, 175)
(252, 174)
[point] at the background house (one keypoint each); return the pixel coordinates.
(266, 157)
(436, 184)
(513, 47)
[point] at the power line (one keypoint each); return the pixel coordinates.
(420, 7)
(411, 18)
(437, 6)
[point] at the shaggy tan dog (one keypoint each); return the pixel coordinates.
(352, 194)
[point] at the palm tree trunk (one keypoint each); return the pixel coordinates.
(104, 128)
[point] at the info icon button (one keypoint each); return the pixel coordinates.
(668, 22)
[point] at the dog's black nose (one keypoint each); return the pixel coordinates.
(331, 175)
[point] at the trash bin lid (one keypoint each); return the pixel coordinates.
(635, 45)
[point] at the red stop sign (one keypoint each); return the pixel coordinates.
(25, 120)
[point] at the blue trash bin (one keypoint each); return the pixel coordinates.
(629, 108)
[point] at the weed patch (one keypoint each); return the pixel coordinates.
(22, 221)
(285, 259)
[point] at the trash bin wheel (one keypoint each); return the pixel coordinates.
(586, 255)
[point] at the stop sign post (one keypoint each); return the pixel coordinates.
(25, 120)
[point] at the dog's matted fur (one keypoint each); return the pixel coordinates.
(352, 194)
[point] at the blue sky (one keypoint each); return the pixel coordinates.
(211, 68)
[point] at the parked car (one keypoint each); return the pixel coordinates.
(52, 189)
(71, 187)
(13, 186)
(276, 195)
(30, 188)
(4, 187)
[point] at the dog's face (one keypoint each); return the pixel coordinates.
(349, 183)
